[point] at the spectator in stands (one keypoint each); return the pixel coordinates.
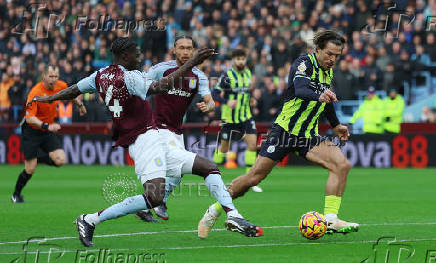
(393, 112)
(371, 110)
(269, 103)
(428, 115)
(5, 102)
(344, 82)
(16, 96)
(430, 47)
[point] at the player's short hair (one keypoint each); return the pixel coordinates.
(321, 38)
(184, 36)
(122, 44)
(238, 53)
(48, 66)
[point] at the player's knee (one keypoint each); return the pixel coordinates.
(59, 160)
(30, 170)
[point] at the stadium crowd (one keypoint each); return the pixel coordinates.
(386, 42)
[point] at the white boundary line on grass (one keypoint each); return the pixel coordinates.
(192, 231)
(222, 246)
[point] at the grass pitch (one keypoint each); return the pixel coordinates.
(396, 207)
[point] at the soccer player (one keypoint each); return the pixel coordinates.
(233, 91)
(124, 90)
(38, 129)
(296, 130)
(169, 110)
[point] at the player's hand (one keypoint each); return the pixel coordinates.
(203, 107)
(328, 96)
(54, 127)
(201, 55)
(342, 132)
(232, 103)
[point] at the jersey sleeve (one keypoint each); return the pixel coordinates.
(137, 83)
(301, 79)
(87, 85)
(32, 109)
(203, 85)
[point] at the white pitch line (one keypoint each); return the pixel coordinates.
(222, 246)
(191, 231)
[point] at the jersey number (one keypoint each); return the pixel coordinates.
(116, 109)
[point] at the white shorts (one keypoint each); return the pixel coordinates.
(179, 160)
(149, 154)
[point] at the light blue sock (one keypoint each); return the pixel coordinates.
(170, 184)
(217, 188)
(130, 205)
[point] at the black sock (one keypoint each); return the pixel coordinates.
(46, 159)
(21, 182)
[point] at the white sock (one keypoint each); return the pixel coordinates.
(217, 188)
(330, 217)
(92, 219)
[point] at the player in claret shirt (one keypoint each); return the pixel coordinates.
(170, 108)
(124, 90)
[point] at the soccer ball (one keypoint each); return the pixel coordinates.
(312, 225)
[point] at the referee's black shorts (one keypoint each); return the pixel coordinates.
(32, 140)
(279, 143)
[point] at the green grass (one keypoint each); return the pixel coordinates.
(387, 202)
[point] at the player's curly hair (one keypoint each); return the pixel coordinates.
(321, 38)
(122, 44)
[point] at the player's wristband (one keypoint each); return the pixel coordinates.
(44, 126)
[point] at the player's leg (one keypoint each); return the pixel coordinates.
(270, 154)
(329, 156)
(220, 153)
(58, 157)
(52, 145)
(30, 142)
(251, 153)
(184, 162)
(150, 166)
(226, 137)
(23, 178)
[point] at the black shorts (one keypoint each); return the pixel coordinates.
(32, 140)
(279, 144)
(235, 131)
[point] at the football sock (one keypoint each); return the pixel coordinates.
(217, 188)
(332, 205)
(250, 159)
(170, 184)
(130, 205)
(23, 178)
(218, 156)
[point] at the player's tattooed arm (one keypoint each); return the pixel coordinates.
(164, 84)
(67, 94)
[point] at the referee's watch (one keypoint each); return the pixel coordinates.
(44, 126)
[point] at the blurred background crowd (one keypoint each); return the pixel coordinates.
(390, 45)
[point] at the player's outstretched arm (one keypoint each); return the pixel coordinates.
(67, 94)
(164, 84)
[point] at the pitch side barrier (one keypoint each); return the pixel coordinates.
(90, 143)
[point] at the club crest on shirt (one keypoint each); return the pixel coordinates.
(192, 83)
(301, 68)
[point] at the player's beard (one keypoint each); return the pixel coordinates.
(240, 67)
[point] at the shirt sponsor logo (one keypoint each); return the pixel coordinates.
(179, 92)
